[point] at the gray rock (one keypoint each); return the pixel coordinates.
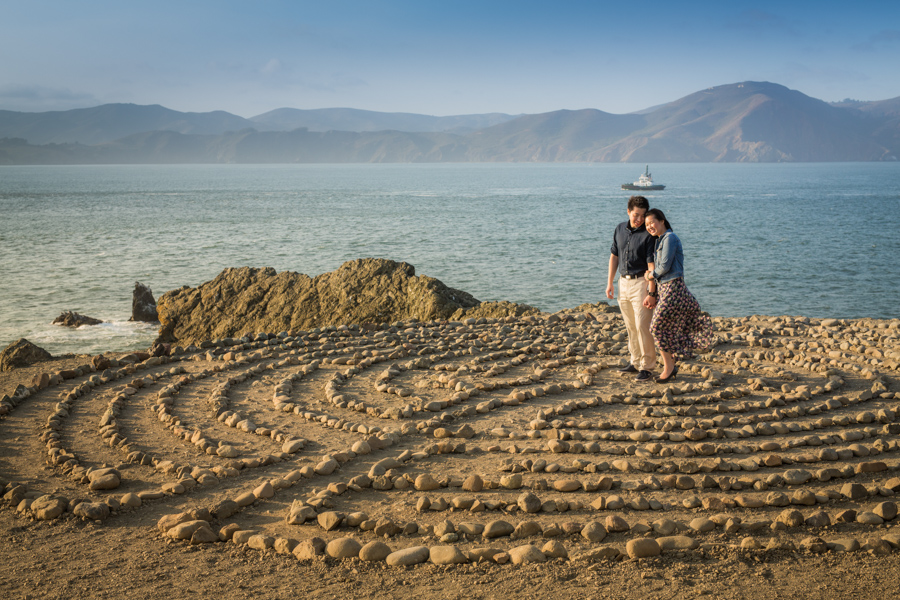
(95, 511)
(497, 528)
(225, 509)
(446, 555)
(374, 551)
(46, 508)
(73, 319)
(21, 353)
(844, 545)
(343, 548)
(677, 542)
(527, 554)
(331, 520)
(797, 476)
(368, 290)
(529, 503)
(143, 306)
(555, 549)
(642, 548)
(309, 549)
(408, 556)
(594, 532)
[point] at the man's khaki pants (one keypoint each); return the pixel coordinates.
(637, 321)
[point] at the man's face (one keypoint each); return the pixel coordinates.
(636, 216)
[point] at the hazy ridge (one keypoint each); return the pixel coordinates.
(742, 122)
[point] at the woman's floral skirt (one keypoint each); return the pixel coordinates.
(678, 325)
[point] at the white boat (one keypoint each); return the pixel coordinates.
(644, 182)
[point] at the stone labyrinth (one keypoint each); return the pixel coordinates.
(505, 440)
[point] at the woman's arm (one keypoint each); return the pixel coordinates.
(665, 257)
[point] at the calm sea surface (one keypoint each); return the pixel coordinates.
(820, 240)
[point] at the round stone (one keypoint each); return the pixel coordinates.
(374, 551)
(642, 548)
(343, 548)
(408, 556)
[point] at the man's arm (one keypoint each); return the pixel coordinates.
(613, 265)
(650, 301)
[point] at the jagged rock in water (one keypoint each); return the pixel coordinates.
(21, 354)
(250, 300)
(143, 306)
(73, 319)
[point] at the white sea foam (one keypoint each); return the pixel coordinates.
(93, 339)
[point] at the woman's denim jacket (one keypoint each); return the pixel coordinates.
(669, 259)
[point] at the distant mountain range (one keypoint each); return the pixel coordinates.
(741, 122)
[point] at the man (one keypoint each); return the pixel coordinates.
(632, 256)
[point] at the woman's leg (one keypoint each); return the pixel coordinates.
(668, 363)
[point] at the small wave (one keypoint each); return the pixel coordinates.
(109, 336)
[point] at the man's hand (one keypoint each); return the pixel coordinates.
(609, 291)
(649, 302)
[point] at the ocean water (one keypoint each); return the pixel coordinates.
(819, 240)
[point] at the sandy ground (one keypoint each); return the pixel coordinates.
(802, 387)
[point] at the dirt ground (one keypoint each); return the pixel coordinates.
(766, 374)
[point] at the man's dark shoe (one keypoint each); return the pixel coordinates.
(643, 376)
(628, 369)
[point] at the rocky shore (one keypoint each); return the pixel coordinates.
(436, 454)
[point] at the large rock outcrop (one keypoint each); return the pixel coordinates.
(21, 353)
(250, 300)
(143, 306)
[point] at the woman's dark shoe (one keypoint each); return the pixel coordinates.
(670, 377)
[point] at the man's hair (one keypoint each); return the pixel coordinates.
(638, 202)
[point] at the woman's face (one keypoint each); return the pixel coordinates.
(654, 227)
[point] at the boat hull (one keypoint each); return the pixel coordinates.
(642, 188)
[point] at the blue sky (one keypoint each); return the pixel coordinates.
(436, 58)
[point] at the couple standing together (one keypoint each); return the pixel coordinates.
(655, 303)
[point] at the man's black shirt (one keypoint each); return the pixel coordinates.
(634, 247)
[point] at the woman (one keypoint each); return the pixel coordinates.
(678, 326)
